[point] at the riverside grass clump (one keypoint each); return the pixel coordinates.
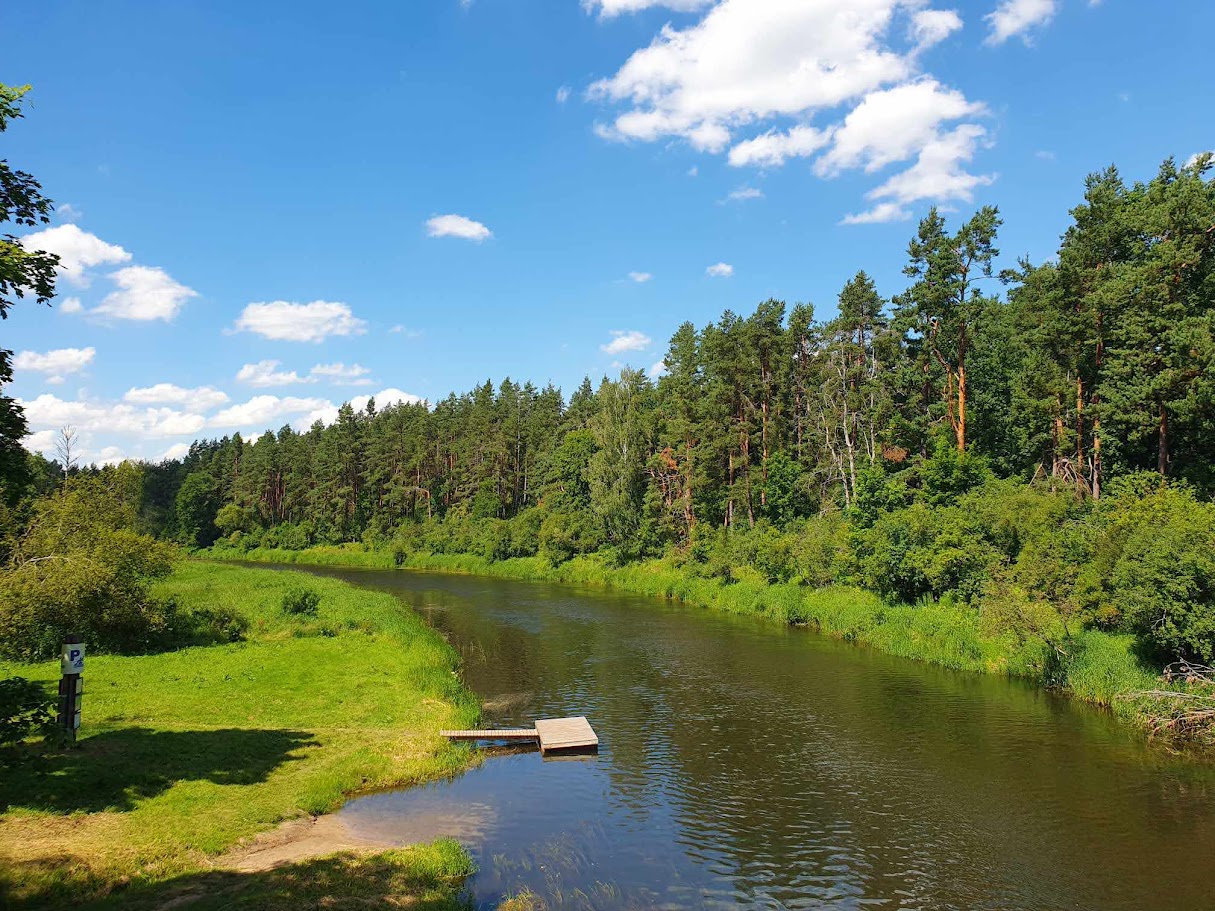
(185, 754)
(1100, 668)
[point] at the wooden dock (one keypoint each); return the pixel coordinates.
(553, 734)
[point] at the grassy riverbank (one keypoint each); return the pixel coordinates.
(185, 754)
(1096, 667)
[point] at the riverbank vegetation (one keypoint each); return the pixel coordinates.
(1004, 471)
(1030, 466)
(187, 752)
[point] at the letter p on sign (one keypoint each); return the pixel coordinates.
(73, 658)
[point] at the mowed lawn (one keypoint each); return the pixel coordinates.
(184, 754)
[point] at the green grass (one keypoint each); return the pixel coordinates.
(1098, 668)
(184, 754)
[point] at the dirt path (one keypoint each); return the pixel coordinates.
(296, 840)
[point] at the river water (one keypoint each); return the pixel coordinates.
(744, 764)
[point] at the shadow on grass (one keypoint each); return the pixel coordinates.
(423, 878)
(116, 770)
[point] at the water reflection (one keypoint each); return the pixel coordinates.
(746, 764)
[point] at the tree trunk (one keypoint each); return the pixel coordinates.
(1162, 448)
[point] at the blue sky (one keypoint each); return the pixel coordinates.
(275, 207)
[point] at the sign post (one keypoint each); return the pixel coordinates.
(71, 686)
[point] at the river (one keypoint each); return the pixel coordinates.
(744, 764)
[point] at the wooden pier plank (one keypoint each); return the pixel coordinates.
(566, 734)
(553, 734)
(505, 734)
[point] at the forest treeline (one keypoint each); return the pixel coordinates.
(1037, 443)
(1044, 437)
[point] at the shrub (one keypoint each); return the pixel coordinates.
(918, 552)
(948, 473)
(820, 551)
(564, 535)
(301, 601)
(26, 710)
(80, 568)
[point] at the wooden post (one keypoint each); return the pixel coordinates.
(71, 687)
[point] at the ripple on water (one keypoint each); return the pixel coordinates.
(747, 765)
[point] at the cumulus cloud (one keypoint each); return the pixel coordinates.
(144, 293)
(774, 148)
(262, 410)
(609, 8)
(893, 125)
(457, 226)
(776, 66)
(719, 270)
(623, 341)
(342, 375)
(937, 174)
(57, 363)
(657, 369)
(266, 373)
(932, 26)
(1019, 18)
(640, 277)
(49, 412)
(71, 305)
(292, 322)
(67, 212)
(176, 451)
(200, 398)
(741, 194)
(77, 250)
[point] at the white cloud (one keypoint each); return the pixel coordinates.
(49, 412)
(457, 226)
(879, 214)
(144, 293)
(626, 341)
(937, 174)
(1044, 155)
(693, 171)
(57, 363)
(400, 329)
(773, 148)
(77, 250)
(328, 412)
(1014, 18)
(108, 455)
(176, 451)
(67, 212)
(1193, 159)
(200, 398)
(893, 125)
(640, 277)
(932, 26)
(288, 321)
(657, 369)
(741, 194)
(342, 375)
(563, 94)
(777, 64)
(719, 270)
(609, 8)
(71, 305)
(266, 373)
(259, 411)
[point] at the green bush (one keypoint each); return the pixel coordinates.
(921, 552)
(26, 710)
(301, 601)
